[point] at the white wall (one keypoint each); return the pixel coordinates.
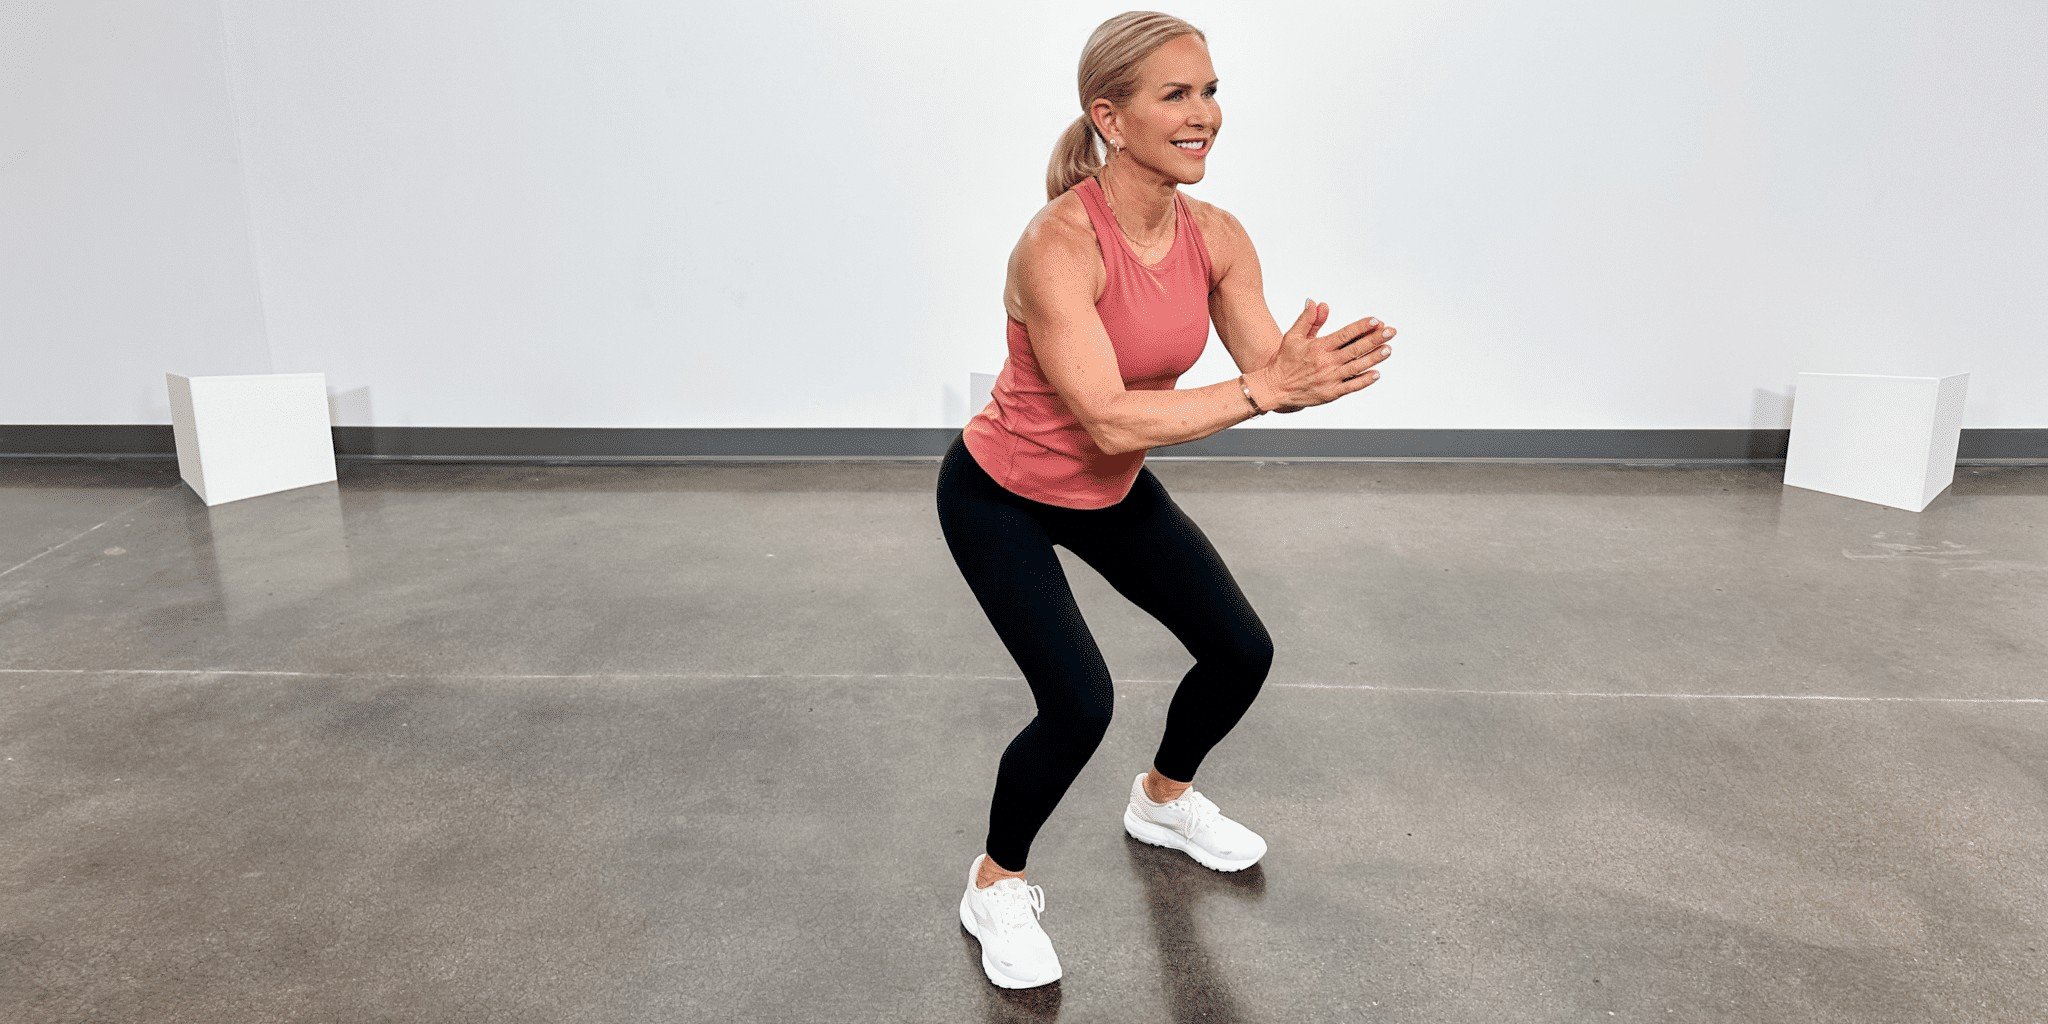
(124, 229)
(483, 213)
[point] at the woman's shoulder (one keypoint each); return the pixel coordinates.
(1221, 234)
(1063, 220)
(1059, 235)
(1062, 229)
(1215, 221)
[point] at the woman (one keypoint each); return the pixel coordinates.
(1110, 293)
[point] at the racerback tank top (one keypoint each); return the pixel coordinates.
(1027, 438)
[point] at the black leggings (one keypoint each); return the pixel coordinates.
(1153, 554)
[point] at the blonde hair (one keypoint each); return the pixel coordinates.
(1109, 70)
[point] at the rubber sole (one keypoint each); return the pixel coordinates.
(1159, 835)
(988, 966)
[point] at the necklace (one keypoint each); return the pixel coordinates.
(1175, 226)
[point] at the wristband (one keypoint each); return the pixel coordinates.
(1256, 411)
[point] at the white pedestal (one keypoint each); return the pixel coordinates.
(981, 389)
(1887, 440)
(247, 434)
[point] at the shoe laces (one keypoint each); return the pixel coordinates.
(1200, 810)
(1015, 906)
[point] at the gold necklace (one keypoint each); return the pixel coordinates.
(1175, 226)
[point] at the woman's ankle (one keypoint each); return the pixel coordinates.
(1159, 789)
(990, 873)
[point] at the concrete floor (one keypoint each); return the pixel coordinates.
(715, 743)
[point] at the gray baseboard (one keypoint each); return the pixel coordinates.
(2022, 445)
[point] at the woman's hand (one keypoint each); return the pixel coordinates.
(1310, 370)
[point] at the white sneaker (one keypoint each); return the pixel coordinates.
(1192, 823)
(1015, 951)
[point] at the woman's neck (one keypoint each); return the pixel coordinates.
(1144, 207)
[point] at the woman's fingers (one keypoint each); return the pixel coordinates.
(1306, 322)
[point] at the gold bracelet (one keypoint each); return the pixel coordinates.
(1256, 411)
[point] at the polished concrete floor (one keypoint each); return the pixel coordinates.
(715, 743)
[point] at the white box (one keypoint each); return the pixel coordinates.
(1887, 440)
(981, 390)
(242, 435)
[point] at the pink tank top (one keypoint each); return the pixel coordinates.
(1027, 439)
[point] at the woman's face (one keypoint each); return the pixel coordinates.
(1175, 100)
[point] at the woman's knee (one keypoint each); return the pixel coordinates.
(1248, 654)
(1079, 732)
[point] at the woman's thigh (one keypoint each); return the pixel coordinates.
(1156, 556)
(1005, 553)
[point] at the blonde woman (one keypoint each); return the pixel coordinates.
(1110, 296)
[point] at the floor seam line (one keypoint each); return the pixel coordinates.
(1373, 687)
